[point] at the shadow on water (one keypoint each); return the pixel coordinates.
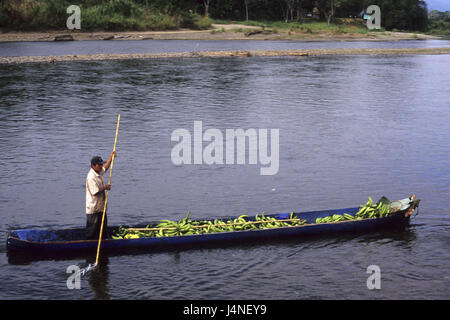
(98, 279)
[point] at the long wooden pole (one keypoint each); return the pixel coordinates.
(107, 193)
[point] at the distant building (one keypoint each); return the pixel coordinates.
(314, 14)
(365, 15)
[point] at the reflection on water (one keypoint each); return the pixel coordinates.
(99, 279)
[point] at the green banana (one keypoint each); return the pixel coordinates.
(364, 210)
(184, 226)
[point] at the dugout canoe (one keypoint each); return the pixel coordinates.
(45, 243)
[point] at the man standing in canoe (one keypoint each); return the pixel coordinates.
(95, 196)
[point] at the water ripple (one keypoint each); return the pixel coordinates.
(350, 126)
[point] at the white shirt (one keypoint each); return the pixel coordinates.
(95, 200)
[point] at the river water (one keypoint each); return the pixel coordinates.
(349, 127)
(45, 48)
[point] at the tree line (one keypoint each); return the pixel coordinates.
(395, 14)
(439, 22)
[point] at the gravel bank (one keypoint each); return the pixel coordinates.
(251, 53)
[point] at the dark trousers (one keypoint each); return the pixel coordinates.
(93, 225)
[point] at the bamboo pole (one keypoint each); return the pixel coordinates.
(107, 193)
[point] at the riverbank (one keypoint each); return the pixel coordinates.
(219, 32)
(221, 54)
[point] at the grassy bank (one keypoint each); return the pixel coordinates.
(113, 15)
(23, 20)
(340, 26)
(339, 29)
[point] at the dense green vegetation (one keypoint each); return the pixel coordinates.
(196, 14)
(111, 15)
(439, 22)
(398, 14)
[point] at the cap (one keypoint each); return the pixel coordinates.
(97, 160)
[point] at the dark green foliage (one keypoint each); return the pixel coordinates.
(402, 14)
(439, 22)
(172, 14)
(194, 21)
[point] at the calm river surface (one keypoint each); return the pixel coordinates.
(350, 127)
(45, 48)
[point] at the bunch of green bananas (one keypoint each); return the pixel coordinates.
(169, 228)
(124, 233)
(270, 222)
(335, 218)
(185, 226)
(371, 210)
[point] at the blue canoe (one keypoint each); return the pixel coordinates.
(44, 243)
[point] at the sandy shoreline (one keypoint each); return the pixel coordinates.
(221, 54)
(219, 32)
